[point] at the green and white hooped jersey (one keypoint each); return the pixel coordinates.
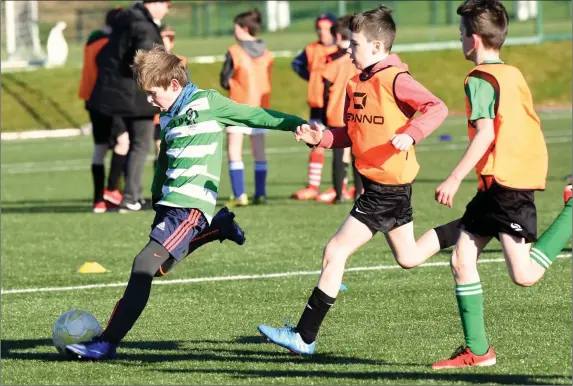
(189, 164)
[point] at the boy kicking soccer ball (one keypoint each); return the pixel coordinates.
(185, 185)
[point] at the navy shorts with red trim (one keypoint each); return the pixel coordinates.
(174, 228)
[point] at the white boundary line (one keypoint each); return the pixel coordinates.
(237, 277)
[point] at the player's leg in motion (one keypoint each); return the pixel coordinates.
(469, 296)
(236, 167)
(223, 227)
(129, 307)
(351, 236)
(527, 264)
(544, 252)
(433, 241)
(257, 139)
(172, 233)
(556, 237)
(410, 253)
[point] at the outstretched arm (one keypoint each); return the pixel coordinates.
(476, 150)
(234, 114)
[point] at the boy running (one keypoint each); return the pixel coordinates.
(509, 154)
(380, 104)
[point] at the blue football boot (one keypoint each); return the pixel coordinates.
(95, 349)
(228, 227)
(288, 338)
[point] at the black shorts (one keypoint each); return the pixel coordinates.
(157, 133)
(174, 228)
(106, 129)
(502, 210)
(383, 207)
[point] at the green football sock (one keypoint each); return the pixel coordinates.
(470, 305)
(554, 239)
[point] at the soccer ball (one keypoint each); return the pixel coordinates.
(74, 326)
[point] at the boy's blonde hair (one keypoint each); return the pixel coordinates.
(156, 68)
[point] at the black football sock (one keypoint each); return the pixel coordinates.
(448, 233)
(131, 305)
(314, 313)
(98, 176)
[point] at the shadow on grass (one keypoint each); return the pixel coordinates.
(377, 376)
(224, 352)
(14, 349)
(198, 351)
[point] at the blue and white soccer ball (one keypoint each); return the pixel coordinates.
(74, 326)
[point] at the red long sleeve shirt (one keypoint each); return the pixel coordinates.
(411, 96)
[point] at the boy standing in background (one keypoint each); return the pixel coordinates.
(246, 74)
(309, 66)
(338, 70)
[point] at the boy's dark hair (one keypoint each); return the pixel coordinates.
(376, 24)
(251, 19)
(342, 27)
(487, 19)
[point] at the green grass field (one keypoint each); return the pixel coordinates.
(387, 328)
(48, 99)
